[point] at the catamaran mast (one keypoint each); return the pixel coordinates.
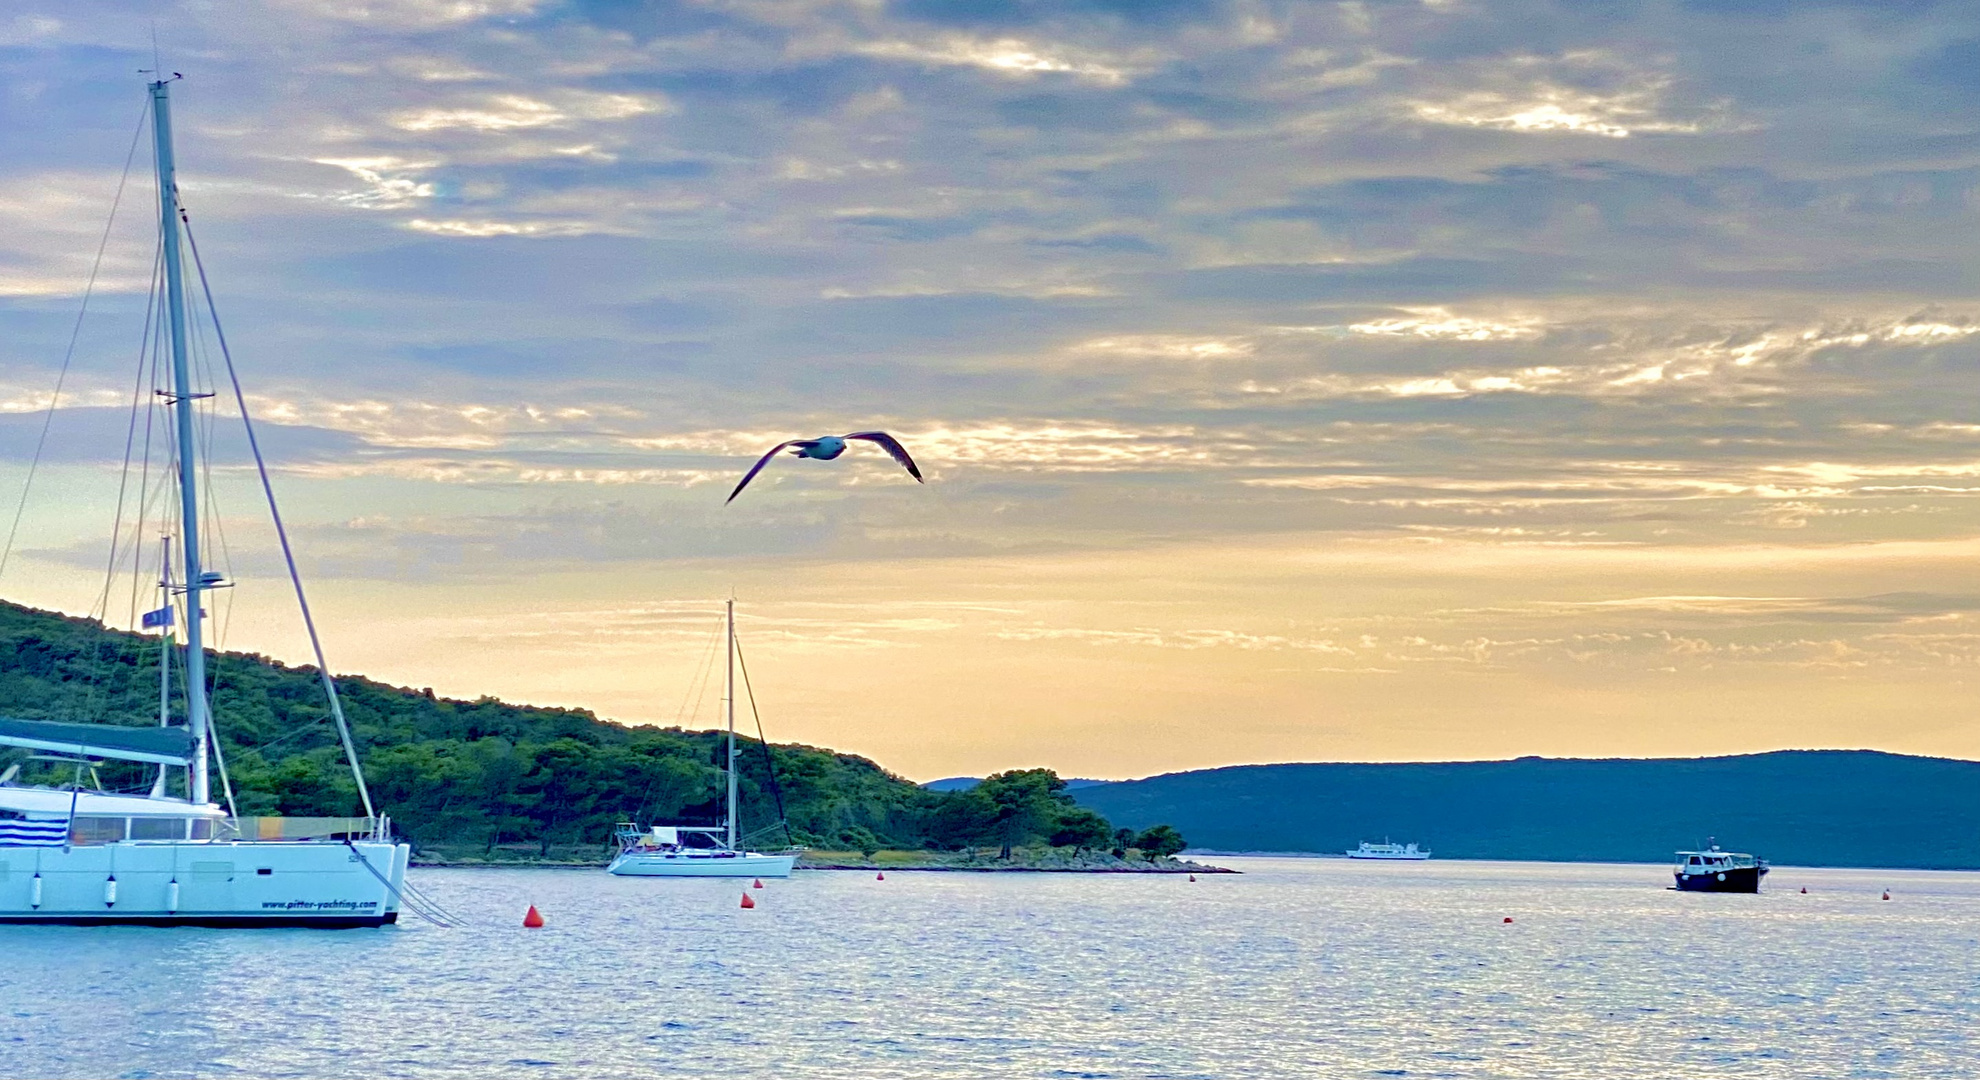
(181, 399)
(729, 702)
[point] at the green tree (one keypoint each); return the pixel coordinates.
(1160, 841)
(1079, 828)
(484, 773)
(1027, 802)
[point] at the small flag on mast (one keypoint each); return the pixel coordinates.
(155, 619)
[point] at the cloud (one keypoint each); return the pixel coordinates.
(1007, 56)
(1174, 302)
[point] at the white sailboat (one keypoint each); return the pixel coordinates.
(662, 851)
(74, 856)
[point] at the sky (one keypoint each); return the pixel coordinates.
(1412, 380)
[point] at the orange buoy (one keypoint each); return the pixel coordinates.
(748, 901)
(1509, 918)
(881, 876)
(534, 919)
(757, 884)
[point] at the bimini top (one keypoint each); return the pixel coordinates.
(158, 745)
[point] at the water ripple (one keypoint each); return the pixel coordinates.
(1298, 968)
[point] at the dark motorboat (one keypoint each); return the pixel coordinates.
(1719, 871)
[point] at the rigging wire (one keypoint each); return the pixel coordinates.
(75, 334)
(281, 532)
(769, 760)
(100, 609)
(701, 673)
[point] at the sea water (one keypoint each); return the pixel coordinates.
(1297, 968)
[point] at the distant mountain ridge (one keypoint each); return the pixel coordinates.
(1800, 807)
(964, 783)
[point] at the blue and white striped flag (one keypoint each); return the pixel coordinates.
(34, 832)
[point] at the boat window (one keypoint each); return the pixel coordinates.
(97, 830)
(158, 828)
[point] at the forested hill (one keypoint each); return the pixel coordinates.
(464, 774)
(1803, 807)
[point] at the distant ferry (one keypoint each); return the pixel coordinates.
(1718, 871)
(1386, 850)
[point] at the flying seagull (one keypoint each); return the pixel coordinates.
(827, 447)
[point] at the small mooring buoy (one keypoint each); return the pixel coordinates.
(1509, 918)
(1804, 890)
(1887, 894)
(534, 919)
(748, 902)
(881, 876)
(757, 884)
(1192, 877)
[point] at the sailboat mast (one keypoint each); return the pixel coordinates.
(165, 639)
(729, 695)
(182, 409)
(164, 654)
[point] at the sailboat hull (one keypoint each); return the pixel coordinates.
(728, 865)
(195, 883)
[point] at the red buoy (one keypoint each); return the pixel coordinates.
(757, 884)
(881, 876)
(1509, 918)
(1887, 894)
(747, 901)
(1192, 877)
(1804, 890)
(533, 920)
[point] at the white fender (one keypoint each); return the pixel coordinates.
(110, 893)
(34, 892)
(172, 897)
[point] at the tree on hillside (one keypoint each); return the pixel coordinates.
(1160, 841)
(1081, 829)
(1031, 805)
(481, 774)
(963, 819)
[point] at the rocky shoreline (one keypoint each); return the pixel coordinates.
(1025, 862)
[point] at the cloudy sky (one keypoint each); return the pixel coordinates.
(1294, 381)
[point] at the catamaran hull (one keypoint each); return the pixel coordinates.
(736, 866)
(216, 884)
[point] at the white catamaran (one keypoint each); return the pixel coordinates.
(663, 851)
(87, 856)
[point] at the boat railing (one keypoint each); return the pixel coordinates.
(90, 830)
(263, 827)
(1718, 860)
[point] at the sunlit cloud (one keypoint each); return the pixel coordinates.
(1009, 56)
(1437, 324)
(1644, 336)
(393, 181)
(410, 14)
(486, 228)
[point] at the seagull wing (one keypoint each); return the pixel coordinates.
(756, 468)
(892, 446)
